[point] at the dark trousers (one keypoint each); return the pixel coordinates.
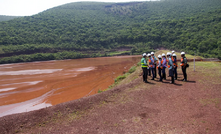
(144, 74)
(153, 74)
(172, 79)
(155, 71)
(159, 72)
(164, 73)
(175, 72)
(149, 70)
(184, 72)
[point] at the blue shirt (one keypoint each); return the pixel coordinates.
(170, 63)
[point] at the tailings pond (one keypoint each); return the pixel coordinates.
(30, 86)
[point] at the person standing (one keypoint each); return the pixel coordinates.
(170, 63)
(144, 67)
(183, 65)
(164, 65)
(149, 69)
(174, 59)
(160, 67)
(151, 65)
(155, 64)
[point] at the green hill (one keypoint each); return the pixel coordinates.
(76, 29)
(7, 18)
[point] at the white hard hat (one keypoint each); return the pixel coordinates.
(144, 54)
(148, 54)
(168, 53)
(163, 54)
(174, 54)
(159, 56)
(152, 53)
(173, 51)
(182, 53)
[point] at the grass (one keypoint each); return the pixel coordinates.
(118, 53)
(120, 78)
(178, 54)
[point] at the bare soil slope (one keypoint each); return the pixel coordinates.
(134, 107)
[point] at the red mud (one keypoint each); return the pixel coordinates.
(191, 107)
(30, 86)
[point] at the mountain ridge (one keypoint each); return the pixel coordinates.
(172, 24)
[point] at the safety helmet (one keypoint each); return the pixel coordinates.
(159, 56)
(148, 54)
(163, 54)
(152, 53)
(144, 54)
(182, 53)
(168, 53)
(174, 55)
(173, 51)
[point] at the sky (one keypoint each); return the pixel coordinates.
(31, 7)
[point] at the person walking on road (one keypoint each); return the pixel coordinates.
(171, 67)
(175, 65)
(151, 65)
(160, 67)
(184, 65)
(155, 64)
(144, 67)
(164, 65)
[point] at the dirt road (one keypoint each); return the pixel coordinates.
(134, 107)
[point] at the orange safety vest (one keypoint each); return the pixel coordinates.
(174, 63)
(182, 62)
(161, 64)
(150, 63)
(168, 65)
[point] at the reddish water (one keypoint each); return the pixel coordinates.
(29, 86)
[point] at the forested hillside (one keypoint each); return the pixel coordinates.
(6, 18)
(76, 29)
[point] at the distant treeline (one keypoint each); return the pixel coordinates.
(184, 25)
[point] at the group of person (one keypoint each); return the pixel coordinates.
(164, 61)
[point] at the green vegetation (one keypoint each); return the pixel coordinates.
(7, 18)
(103, 28)
(120, 78)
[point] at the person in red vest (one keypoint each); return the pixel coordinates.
(171, 68)
(183, 65)
(155, 64)
(160, 67)
(151, 65)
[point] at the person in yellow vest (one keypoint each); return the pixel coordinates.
(144, 67)
(160, 67)
(184, 65)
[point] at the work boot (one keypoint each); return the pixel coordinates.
(172, 79)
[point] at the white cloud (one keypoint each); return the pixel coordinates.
(31, 7)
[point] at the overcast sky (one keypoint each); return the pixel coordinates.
(31, 7)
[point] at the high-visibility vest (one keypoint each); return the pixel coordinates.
(142, 63)
(161, 64)
(174, 63)
(182, 61)
(150, 63)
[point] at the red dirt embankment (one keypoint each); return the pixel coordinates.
(133, 107)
